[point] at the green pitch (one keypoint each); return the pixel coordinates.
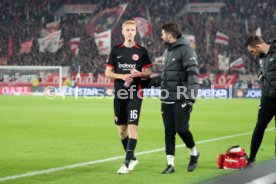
(37, 134)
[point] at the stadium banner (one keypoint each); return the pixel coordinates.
(202, 93)
(221, 38)
(144, 27)
(258, 32)
(52, 79)
(26, 47)
(106, 91)
(4, 60)
(74, 45)
(223, 62)
(53, 26)
(105, 20)
(83, 91)
(223, 93)
(60, 43)
(215, 93)
(204, 7)
(224, 79)
(219, 81)
(91, 80)
(238, 65)
(50, 43)
(80, 8)
(15, 90)
(191, 39)
(152, 92)
(10, 48)
(247, 93)
(103, 42)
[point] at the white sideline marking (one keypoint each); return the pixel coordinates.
(116, 158)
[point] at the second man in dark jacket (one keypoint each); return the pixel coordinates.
(179, 86)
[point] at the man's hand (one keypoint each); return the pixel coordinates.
(135, 73)
(151, 82)
(128, 78)
(187, 106)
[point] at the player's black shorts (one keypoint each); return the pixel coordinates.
(127, 111)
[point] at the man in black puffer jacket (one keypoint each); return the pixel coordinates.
(179, 86)
(267, 77)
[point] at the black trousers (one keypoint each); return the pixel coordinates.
(176, 120)
(267, 110)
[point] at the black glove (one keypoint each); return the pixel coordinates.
(187, 105)
(152, 82)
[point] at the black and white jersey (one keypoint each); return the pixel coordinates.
(122, 59)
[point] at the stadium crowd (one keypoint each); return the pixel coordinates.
(22, 21)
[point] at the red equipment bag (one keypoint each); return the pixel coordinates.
(234, 158)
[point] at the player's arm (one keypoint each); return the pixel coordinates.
(110, 74)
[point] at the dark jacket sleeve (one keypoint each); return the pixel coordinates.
(190, 64)
(151, 82)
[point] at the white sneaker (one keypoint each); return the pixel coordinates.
(132, 164)
(123, 169)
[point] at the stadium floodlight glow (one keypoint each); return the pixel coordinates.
(31, 76)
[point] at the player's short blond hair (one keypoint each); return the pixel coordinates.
(128, 22)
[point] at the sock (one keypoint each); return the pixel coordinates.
(124, 142)
(130, 150)
(170, 160)
(193, 151)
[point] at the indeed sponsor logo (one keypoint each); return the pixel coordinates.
(126, 66)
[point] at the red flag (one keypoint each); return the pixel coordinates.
(191, 39)
(105, 20)
(53, 26)
(26, 47)
(50, 43)
(4, 60)
(103, 42)
(216, 55)
(74, 45)
(223, 62)
(143, 26)
(222, 38)
(10, 51)
(238, 65)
